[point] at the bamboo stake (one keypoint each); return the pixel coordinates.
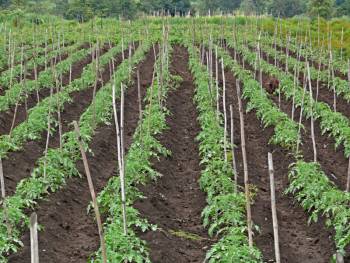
(224, 107)
(301, 117)
(339, 258)
(48, 133)
(234, 165)
(217, 83)
(120, 162)
(122, 99)
(92, 192)
(95, 85)
(348, 180)
(273, 209)
(60, 132)
(312, 114)
(245, 167)
(341, 43)
(3, 196)
(34, 246)
(139, 94)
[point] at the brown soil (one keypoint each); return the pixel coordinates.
(175, 201)
(313, 63)
(335, 165)
(70, 234)
(6, 118)
(333, 161)
(299, 242)
(32, 150)
(325, 95)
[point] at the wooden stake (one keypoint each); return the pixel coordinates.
(92, 192)
(245, 167)
(120, 162)
(339, 258)
(273, 209)
(34, 246)
(48, 132)
(139, 94)
(233, 148)
(348, 180)
(224, 106)
(3, 196)
(312, 114)
(217, 83)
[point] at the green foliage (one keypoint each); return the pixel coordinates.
(317, 194)
(248, 7)
(138, 170)
(60, 164)
(322, 8)
(225, 212)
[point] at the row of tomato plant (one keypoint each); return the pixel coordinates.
(310, 185)
(9, 76)
(60, 163)
(316, 54)
(224, 214)
(334, 123)
(340, 85)
(138, 171)
(37, 121)
(46, 79)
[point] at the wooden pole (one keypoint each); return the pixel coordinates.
(348, 180)
(120, 161)
(245, 167)
(339, 258)
(224, 106)
(48, 133)
(312, 114)
(34, 246)
(139, 94)
(233, 148)
(273, 208)
(3, 196)
(217, 83)
(92, 192)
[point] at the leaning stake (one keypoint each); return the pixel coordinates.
(245, 167)
(120, 161)
(273, 209)
(92, 191)
(233, 148)
(34, 247)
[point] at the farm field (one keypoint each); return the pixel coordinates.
(148, 141)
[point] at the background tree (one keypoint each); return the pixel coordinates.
(248, 7)
(322, 8)
(286, 8)
(343, 7)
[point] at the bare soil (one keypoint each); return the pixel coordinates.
(175, 202)
(70, 233)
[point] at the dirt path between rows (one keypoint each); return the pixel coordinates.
(20, 164)
(299, 242)
(175, 202)
(6, 117)
(70, 234)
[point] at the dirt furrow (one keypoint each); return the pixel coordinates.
(6, 118)
(70, 234)
(19, 164)
(299, 242)
(332, 161)
(174, 202)
(325, 95)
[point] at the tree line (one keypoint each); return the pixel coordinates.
(86, 9)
